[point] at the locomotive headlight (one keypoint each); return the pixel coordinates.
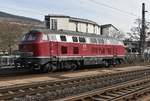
(35, 64)
(29, 62)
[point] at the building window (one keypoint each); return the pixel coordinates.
(63, 50)
(75, 39)
(93, 28)
(63, 38)
(47, 22)
(53, 24)
(81, 39)
(101, 31)
(87, 28)
(76, 27)
(75, 50)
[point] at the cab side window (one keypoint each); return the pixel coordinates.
(63, 38)
(82, 39)
(74, 39)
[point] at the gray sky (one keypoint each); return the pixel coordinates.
(120, 13)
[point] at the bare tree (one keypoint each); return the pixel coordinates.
(134, 35)
(136, 30)
(9, 35)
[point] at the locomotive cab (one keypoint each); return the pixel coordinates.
(29, 43)
(29, 50)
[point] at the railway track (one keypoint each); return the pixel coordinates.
(125, 91)
(12, 72)
(52, 90)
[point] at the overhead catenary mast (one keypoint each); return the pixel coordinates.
(143, 33)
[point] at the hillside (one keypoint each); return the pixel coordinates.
(18, 19)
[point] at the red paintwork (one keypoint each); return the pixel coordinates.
(41, 48)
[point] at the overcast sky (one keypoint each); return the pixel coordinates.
(120, 13)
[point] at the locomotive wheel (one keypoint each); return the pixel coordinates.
(46, 68)
(106, 64)
(73, 67)
(114, 62)
(53, 67)
(119, 61)
(66, 65)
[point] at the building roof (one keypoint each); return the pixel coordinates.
(73, 19)
(57, 15)
(82, 20)
(109, 25)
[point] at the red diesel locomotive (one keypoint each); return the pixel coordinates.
(52, 50)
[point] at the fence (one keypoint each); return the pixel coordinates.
(136, 58)
(7, 60)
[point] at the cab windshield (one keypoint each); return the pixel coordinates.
(30, 36)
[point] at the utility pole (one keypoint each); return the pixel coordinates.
(142, 34)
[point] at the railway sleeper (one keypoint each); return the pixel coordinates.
(97, 98)
(105, 96)
(113, 94)
(81, 88)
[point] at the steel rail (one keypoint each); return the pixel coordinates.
(119, 92)
(69, 87)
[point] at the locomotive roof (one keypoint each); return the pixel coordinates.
(66, 32)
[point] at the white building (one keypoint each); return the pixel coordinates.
(109, 30)
(62, 22)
